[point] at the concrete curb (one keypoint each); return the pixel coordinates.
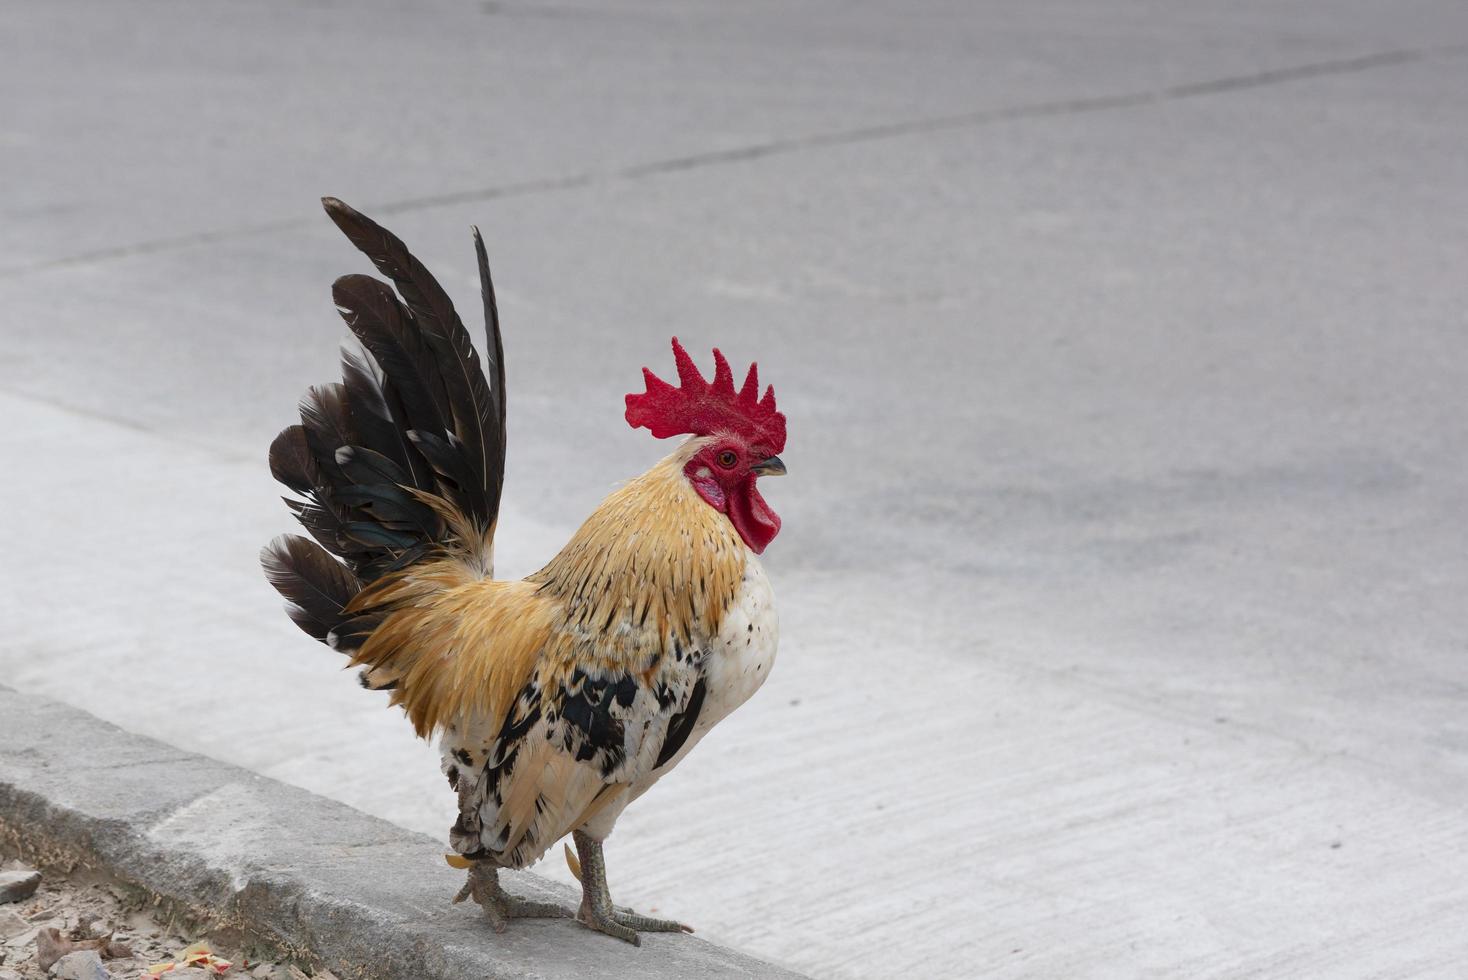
(286, 869)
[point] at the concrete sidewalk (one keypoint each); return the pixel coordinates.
(1123, 568)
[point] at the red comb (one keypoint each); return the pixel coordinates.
(704, 407)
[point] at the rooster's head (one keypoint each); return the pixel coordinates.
(737, 438)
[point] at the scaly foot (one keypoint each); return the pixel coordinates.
(597, 911)
(499, 905)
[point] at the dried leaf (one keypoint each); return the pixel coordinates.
(199, 955)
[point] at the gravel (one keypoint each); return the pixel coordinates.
(40, 935)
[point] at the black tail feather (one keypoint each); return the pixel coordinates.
(414, 415)
(328, 425)
(378, 417)
(393, 509)
(315, 585)
(362, 465)
(449, 465)
(472, 408)
(386, 328)
(351, 633)
(322, 517)
(494, 357)
(291, 461)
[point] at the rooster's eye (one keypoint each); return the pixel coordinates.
(727, 458)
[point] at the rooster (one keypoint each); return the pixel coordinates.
(560, 698)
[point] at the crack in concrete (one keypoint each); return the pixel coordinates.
(208, 448)
(779, 147)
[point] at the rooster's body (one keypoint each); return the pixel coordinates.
(560, 698)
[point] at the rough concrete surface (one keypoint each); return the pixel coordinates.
(1123, 342)
(304, 873)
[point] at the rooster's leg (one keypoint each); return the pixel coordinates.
(597, 911)
(499, 905)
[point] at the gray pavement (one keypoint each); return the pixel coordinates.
(1124, 346)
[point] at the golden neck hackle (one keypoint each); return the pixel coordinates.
(654, 558)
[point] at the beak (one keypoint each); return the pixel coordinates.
(773, 466)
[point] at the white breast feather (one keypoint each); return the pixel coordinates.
(739, 659)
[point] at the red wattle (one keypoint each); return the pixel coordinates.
(756, 523)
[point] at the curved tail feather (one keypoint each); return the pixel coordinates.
(401, 461)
